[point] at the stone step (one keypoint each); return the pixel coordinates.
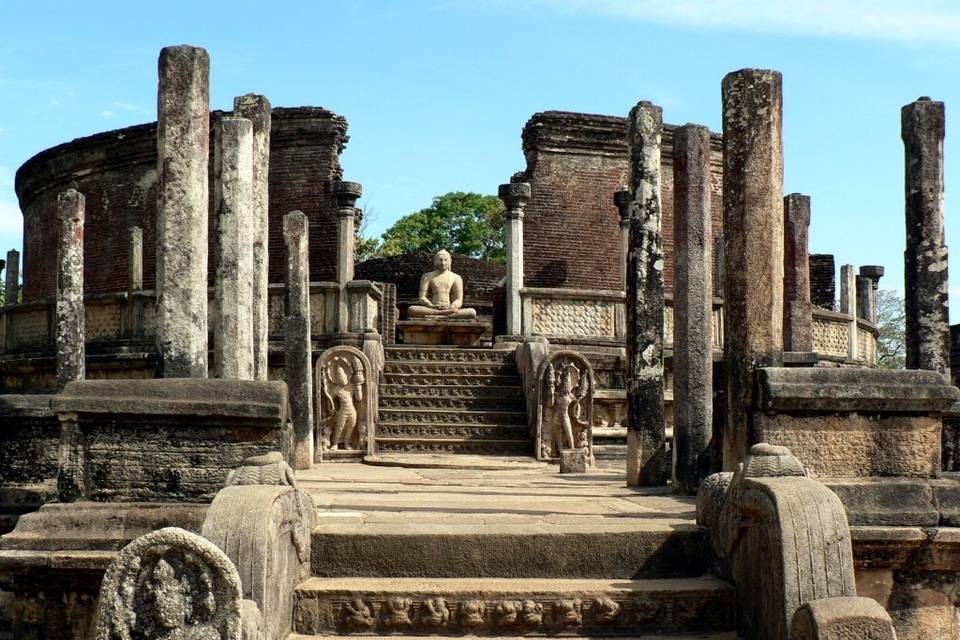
(420, 402)
(609, 451)
(434, 416)
(442, 379)
(454, 544)
(515, 606)
(448, 354)
(718, 635)
(418, 431)
(499, 392)
(450, 368)
(475, 446)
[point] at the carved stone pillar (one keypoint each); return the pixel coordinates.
(71, 331)
(347, 194)
(645, 302)
(622, 200)
(925, 277)
(514, 196)
(256, 108)
(183, 154)
(753, 229)
(135, 261)
(873, 272)
(12, 281)
(298, 356)
(233, 329)
(798, 310)
(848, 305)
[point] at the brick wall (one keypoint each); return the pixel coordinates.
(116, 172)
(575, 163)
(823, 284)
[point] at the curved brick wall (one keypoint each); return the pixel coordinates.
(116, 171)
(571, 228)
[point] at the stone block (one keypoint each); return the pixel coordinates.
(891, 502)
(574, 460)
(462, 333)
(842, 619)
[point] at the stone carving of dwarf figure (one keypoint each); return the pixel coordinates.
(441, 293)
(342, 388)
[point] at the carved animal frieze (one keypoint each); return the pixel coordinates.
(355, 616)
(434, 613)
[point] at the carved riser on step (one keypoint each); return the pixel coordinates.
(421, 416)
(496, 393)
(652, 608)
(460, 404)
(476, 432)
(448, 355)
(452, 368)
(460, 446)
(445, 380)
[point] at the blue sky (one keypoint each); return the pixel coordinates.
(437, 91)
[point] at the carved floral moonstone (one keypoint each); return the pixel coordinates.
(170, 584)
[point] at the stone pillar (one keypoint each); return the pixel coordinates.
(865, 302)
(70, 331)
(135, 261)
(753, 228)
(873, 272)
(298, 351)
(233, 332)
(183, 152)
(514, 196)
(622, 200)
(848, 305)
(347, 194)
(256, 108)
(12, 282)
(692, 308)
(798, 310)
(925, 278)
(644, 301)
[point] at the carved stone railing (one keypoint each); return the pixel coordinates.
(601, 314)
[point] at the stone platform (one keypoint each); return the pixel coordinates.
(424, 331)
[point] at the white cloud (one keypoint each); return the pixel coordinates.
(106, 114)
(918, 20)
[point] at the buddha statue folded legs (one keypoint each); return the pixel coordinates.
(441, 293)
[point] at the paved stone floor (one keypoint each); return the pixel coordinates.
(523, 492)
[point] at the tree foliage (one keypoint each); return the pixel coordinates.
(464, 223)
(891, 324)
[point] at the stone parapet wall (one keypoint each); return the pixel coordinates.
(116, 172)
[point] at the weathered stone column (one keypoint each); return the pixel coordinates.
(183, 151)
(256, 108)
(873, 272)
(925, 260)
(70, 331)
(347, 194)
(798, 310)
(135, 261)
(753, 229)
(298, 351)
(692, 307)
(12, 282)
(514, 196)
(848, 305)
(233, 331)
(622, 200)
(645, 308)
(865, 302)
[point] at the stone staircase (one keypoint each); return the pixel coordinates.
(450, 400)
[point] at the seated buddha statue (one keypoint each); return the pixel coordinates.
(441, 293)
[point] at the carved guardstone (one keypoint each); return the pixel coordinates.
(565, 388)
(345, 402)
(170, 584)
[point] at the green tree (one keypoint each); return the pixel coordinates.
(891, 324)
(465, 223)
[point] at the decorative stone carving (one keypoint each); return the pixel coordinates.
(472, 613)
(434, 613)
(345, 398)
(566, 317)
(355, 616)
(780, 537)
(170, 584)
(842, 619)
(565, 385)
(566, 613)
(605, 610)
(441, 293)
(396, 613)
(263, 522)
(507, 612)
(645, 610)
(532, 613)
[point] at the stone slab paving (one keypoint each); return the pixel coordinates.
(528, 495)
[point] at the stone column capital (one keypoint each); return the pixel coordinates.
(622, 200)
(872, 271)
(347, 194)
(514, 196)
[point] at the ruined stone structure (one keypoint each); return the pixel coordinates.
(349, 485)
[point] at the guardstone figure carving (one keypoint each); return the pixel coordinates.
(345, 399)
(565, 384)
(170, 584)
(441, 293)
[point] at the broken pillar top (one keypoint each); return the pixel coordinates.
(921, 119)
(347, 193)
